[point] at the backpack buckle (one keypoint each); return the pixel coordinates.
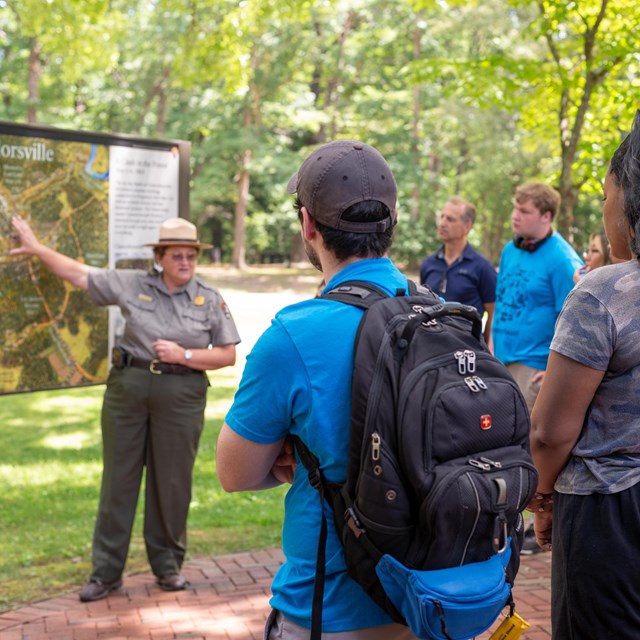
(500, 534)
(315, 478)
(353, 523)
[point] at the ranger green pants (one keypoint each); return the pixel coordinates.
(151, 421)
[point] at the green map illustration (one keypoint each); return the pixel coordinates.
(51, 335)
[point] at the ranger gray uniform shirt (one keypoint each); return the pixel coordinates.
(194, 316)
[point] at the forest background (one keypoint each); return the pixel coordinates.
(470, 98)
(461, 97)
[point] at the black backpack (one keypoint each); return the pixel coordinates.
(439, 468)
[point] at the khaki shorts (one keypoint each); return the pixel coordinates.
(522, 374)
(280, 628)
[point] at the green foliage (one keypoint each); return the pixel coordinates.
(412, 242)
(463, 97)
(74, 39)
(270, 235)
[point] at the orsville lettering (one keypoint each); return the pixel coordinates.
(37, 151)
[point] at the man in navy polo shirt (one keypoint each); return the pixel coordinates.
(456, 271)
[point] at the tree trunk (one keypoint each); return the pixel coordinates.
(33, 81)
(414, 210)
(162, 112)
(568, 196)
(158, 92)
(569, 139)
(435, 169)
(463, 151)
(298, 254)
(244, 180)
(332, 93)
(571, 132)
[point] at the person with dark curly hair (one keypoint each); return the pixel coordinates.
(585, 427)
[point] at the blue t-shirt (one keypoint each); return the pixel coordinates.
(532, 287)
(600, 328)
(471, 279)
(298, 380)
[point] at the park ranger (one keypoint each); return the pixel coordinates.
(177, 327)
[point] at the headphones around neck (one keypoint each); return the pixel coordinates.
(530, 244)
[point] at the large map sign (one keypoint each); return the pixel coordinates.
(95, 198)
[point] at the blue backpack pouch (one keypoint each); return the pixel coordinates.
(448, 604)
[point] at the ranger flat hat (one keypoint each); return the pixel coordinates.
(340, 174)
(178, 232)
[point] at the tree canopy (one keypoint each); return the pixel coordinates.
(470, 98)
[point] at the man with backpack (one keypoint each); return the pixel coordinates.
(413, 433)
(298, 381)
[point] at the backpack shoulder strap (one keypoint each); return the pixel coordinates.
(327, 491)
(310, 462)
(363, 294)
(421, 290)
(317, 481)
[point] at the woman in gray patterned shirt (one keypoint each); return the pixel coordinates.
(586, 431)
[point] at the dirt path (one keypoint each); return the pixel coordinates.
(256, 295)
(263, 279)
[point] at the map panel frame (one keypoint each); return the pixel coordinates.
(93, 196)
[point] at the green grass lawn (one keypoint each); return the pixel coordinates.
(50, 468)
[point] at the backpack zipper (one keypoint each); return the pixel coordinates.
(466, 361)
(377, 381)
(435, 363)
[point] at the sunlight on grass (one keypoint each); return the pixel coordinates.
(85, 399)
(75, 440)
(217, 408)
(49, 473)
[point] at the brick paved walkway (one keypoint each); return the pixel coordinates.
(226, 600)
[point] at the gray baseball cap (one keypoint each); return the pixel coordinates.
(340, 174)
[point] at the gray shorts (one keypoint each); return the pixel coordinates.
(280, 628)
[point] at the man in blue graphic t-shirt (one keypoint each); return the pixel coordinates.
(534, 278)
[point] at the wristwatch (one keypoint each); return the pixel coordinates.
(188, 354)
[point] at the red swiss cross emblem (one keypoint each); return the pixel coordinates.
(485, 422)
